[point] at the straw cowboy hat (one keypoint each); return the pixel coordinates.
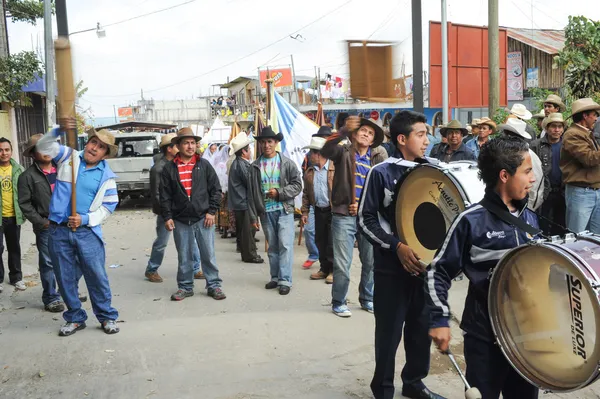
(475, 122)
(316, 143)
(453, 125)
(185, 132)
(107, 138)
(238, 142)
(167, 139)
(552, 118)
(515, 126)
(556, 100)
(324, 131)
(30, 144)
(539, 115)
(520, 111)
(268, 133)
(487, 121)
(582, 105)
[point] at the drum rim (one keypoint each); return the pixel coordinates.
(501, 339)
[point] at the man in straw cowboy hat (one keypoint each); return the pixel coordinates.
(580, 166)
(474, 131)
(237, 200)
(486, 128)
(454, 149)
(274, 183)
(318, 182)
(76, 245)
(552, 104)
(548, 150)
(516, 129)
(400, 307)
(168, 151)
(520, 111)
(539, 117)
(354, 150)
(190, 194)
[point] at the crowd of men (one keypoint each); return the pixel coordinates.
(347, 187)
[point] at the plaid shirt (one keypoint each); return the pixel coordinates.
(185, 172)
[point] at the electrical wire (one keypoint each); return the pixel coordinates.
(234, 61)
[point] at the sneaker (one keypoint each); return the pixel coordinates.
(216, 293)
(180, 295)
(308, 264)
(154, 277)
(368, 306)
(20, 285)
(110, 327)
(318, 275)
(341, 310)
(199, 275)
(82, 297)
(271, 285)
(70, 329)
(55, 307)
(329, 279)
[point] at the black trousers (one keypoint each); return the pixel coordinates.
(489, 371)
(12, 233)
(245, 236)
(323, 238)
(399, 305)
(555, 209)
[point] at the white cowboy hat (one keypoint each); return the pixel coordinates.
(238, 142)
(316, 143)
(521, 112)
(515, 126)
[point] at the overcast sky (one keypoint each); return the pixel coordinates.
(180, 53)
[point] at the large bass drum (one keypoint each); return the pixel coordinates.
(545, 312)
(428, 198)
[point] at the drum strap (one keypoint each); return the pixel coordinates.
(508, 217)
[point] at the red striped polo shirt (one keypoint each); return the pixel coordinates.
(185, 172)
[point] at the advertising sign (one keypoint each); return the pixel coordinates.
(514, 65)
(532, 78)
(125, 114)
(282, 78)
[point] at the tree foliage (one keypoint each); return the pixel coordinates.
(81, 113)
(16, 71)
(25, 10)
(580, 57)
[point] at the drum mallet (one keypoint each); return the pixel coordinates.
(471, 392)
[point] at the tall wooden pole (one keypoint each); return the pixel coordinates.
(494, 57)
(417, 35)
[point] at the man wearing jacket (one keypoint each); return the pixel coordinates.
(506, 169)
(487, 127)
(237, 199)
(354, 150)
(548, 150)
(274, 183)
(35, 191)
(190, 194)
(12, 218)
(399, 299)
(76, 245)
(318, 180)
(455, 149)
(580, 166)
(168, 153)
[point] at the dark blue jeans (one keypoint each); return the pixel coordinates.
(76, 253)
(49, 293)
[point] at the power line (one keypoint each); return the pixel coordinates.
(235, 61)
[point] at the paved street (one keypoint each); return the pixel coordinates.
(255, 344)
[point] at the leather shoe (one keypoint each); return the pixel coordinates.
(424, 393)
(258, 259)
(271, 285)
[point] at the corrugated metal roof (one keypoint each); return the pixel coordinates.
(546, 40)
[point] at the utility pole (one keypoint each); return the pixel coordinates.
(49, 55)
(115, 113)
(445, 104)
(294, 81)
(417, 34)
(3, 31)
(494, 57)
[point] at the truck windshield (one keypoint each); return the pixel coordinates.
(137, 147)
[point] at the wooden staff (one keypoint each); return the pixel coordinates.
(66, 105)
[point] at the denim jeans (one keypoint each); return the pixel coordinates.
(160, 243)
(344, 232)
(309, 236)
(74, 253)
(49, 290)
(279, 231)
(11, 231)
(583, 209)
(189, 238)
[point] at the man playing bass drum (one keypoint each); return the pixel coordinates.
(474, 244)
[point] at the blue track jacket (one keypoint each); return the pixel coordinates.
(474, 244)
